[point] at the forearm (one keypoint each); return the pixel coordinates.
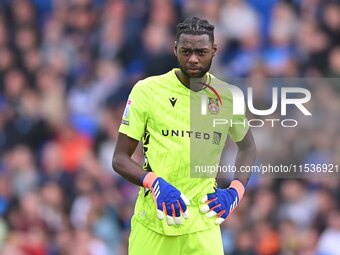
(244, 158)
(128, 168)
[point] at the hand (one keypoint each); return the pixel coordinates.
(168, 199)
(223, 201)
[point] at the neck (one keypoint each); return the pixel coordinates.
(194, 84)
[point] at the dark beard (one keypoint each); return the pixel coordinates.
(200, 75)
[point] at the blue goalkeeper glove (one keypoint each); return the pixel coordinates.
(168, 199)
(223, 201)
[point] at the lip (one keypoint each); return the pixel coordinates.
(193, 70)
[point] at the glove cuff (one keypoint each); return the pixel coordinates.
(148, 179)
(239, 187)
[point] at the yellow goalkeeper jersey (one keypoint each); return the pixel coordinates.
(183, 134)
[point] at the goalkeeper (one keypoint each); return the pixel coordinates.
(172, 114)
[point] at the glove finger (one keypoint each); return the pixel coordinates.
(185, 200)
(176, 213)
(182, 204)
(216, 210)
(208, 197)
(211, 214)
(211, 206)
(214, 204)
(219, 221)
(183, 208)
(186, 214)
(204, 209)
(178, 220)
(177, 209)
(170, 220)
(160, 211)
(169, 210)
(223, 214)
(160, 214)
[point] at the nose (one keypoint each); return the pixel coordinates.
(193, 59)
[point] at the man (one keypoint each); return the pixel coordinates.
(173, 114)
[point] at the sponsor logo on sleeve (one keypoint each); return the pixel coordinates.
(125, 122)
(127, 109)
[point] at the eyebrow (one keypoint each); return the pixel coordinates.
(186, 48)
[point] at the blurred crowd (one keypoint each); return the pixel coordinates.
(66, 69)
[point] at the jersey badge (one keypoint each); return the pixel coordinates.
(213, 105)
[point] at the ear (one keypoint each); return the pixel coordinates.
(175, 48)
(214, 49)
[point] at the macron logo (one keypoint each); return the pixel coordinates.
(173, 101)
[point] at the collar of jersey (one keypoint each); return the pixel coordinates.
(186, 88)
(204, 89)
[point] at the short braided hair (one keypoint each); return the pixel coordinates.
(195, 26)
